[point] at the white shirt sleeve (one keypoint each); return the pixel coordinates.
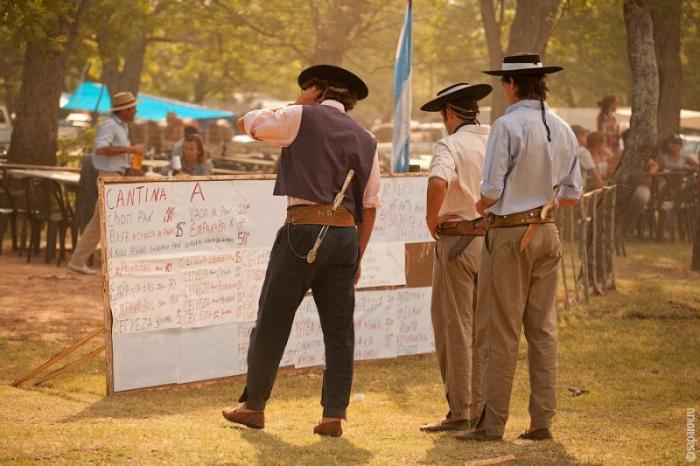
(442, 165)
(370, 199)
(496, 161)
(278, 127)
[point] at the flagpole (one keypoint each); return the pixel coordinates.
(400, 147)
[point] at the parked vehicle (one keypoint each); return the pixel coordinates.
(5, 129)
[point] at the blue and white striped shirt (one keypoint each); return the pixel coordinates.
(521, 167)
(111, 132)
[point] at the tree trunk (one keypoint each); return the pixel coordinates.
(642, 137)
(127, 77)
(666, 18)
(492, 29)
(34, 135)
(530, 31)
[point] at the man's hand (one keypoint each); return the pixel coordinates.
(484, 203)
(563, 202)
(240, 125)
(434, 222)
(137, 149)
(481, 208)
(308, 96)
(358, 272)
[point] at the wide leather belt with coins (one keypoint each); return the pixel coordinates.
(320, 214)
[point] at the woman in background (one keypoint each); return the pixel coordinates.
(603, 158)
(607, 123)
(194, 157)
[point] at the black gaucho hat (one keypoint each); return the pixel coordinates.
(523, 65)
(335, 74)
(457, 93)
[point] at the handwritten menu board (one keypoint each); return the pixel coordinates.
(185, 262)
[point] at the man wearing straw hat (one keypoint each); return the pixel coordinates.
(329, 172)
(530, 164)
(453, 190)
(111, 157)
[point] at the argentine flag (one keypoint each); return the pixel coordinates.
(402, 95)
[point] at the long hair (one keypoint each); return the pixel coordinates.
(606, 102)
(201, 154)
(529, 87)
(334, 90)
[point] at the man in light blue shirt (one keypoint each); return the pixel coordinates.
(111, 157)
(530, 162)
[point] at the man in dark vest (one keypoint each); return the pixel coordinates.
(330, 217)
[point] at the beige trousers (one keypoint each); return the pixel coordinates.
(90, 237)
(518, 290)
(452, 310)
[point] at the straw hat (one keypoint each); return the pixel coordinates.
(122, 101)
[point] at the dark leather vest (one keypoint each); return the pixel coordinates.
(328, 145)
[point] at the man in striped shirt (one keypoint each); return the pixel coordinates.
(453, 190)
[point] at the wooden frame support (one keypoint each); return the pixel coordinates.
(59, 356)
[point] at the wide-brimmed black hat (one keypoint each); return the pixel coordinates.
(457, 92)
(523, 65)
(335, 74)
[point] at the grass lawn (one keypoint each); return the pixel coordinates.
(636, 350)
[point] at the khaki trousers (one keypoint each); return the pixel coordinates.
(452, 311)
(90, 237)
(518, 290)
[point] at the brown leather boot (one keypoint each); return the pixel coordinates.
(329, 429)
(537, 434)
(252, 419)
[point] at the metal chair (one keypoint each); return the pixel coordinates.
(47, 206)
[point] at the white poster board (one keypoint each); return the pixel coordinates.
(184, 263)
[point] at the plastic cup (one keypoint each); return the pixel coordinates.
(136, 161)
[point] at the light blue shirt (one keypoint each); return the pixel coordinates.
(522, 168)
(112, 132)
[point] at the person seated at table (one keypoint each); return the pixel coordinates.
(672, 158)
(603, 158)
(177, 148)
(589, 171)
(195, 161)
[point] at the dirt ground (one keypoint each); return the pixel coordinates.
(29, 293)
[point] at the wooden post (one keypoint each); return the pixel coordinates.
(59, 356)
(583, 245)
(572, 249)
(69, 366)
(593, 264)
(604, 243)
(109, 370)
(611, 221)
(562, 264)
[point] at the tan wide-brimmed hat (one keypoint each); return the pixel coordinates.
(123, 100)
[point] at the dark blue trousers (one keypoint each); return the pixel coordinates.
(288, 278)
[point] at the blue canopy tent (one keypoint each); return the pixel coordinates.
(94, 96)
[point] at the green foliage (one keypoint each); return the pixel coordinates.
(590, 43)
(210, 50)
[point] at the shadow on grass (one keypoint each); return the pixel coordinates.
(270, 449)
(447, 449)
(154, 403)
(371, 376)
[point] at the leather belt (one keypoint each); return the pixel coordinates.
(467, 230)
(476, 227)
(521, 218)
(320, 214)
